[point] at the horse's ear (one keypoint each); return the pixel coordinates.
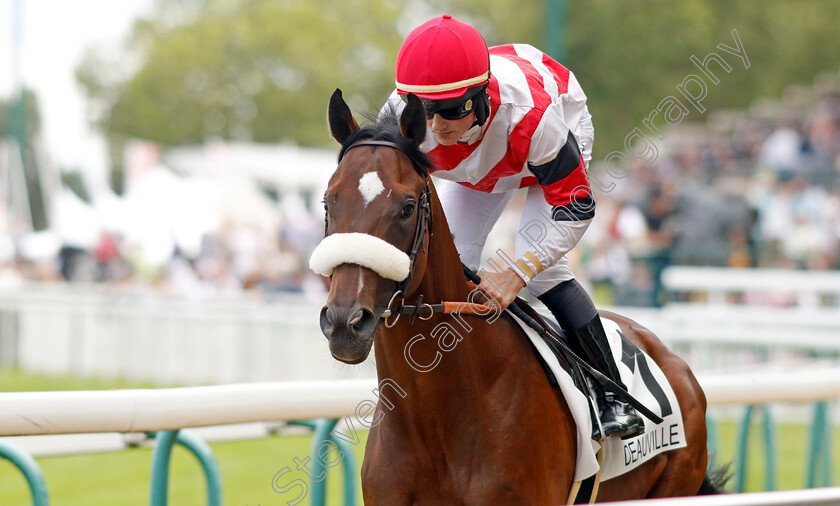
(413, 120)
(342, 124)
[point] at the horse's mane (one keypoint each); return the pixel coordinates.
(387, 128)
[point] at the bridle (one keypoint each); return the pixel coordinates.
(422, 233)
(392, 263)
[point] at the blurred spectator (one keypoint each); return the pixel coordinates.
(660, 219)
(758, 192)
(782, 151)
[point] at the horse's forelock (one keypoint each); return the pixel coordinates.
(387, 128)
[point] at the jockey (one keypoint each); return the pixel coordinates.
(501, 119)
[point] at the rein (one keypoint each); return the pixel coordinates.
(422, 233)
(425, 311)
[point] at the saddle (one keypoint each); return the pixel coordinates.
(554, 337)
(570, 365)
(601, 458)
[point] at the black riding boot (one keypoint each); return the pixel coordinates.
(576, 314)
(618, 418)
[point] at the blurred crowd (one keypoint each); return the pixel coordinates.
(751, 189)
(746, 189)
(229, 260)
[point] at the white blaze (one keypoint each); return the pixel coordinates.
(370, 186)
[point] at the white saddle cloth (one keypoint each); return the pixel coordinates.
(646, 382)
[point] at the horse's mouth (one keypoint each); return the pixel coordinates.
(350, 362)
(350, 351)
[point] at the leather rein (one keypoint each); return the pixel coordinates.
(422, 234)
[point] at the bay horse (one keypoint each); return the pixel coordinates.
(475, 419)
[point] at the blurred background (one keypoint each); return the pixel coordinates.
(162, 165)
(181, 145)
(162, 154)
(172, 155)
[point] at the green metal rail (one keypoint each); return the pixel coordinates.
(162, 455)
(817, 461)
(819, 449)
(27, 465)
(323, 428)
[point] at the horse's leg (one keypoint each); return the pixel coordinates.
(538, 469)
(385, 476)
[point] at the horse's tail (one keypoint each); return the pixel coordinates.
(716, 478)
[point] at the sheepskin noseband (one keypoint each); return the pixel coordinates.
(362, 249)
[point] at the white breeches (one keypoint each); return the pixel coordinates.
(471, 215)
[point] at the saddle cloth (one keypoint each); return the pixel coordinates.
(645, 381)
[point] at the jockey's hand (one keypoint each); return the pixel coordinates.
(502, 286)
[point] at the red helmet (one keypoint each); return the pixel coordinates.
(441, 59)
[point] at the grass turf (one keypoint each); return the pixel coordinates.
(122, 478)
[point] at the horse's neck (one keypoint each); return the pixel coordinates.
(442, 280)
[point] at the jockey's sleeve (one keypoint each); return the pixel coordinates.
(587, 135)
(393, 104)
(578, 114)
(560, 150)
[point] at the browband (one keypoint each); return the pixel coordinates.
(369, 142)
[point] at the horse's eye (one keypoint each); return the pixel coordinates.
(408, 209)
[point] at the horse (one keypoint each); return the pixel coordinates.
(471, 417)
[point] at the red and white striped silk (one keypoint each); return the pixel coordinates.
(535, 103)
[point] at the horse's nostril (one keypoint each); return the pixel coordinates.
(327, 321)
(356, 318)
(329, 315)
(362, 321)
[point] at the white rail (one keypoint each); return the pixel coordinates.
(165, 340)
(146, 337)
(30, 413)
(148, 410)
(811, 497)
(813, 384)
(806, 287)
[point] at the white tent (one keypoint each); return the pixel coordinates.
(284, 167)
(162, 210)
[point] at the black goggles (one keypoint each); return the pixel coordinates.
(447, 111)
